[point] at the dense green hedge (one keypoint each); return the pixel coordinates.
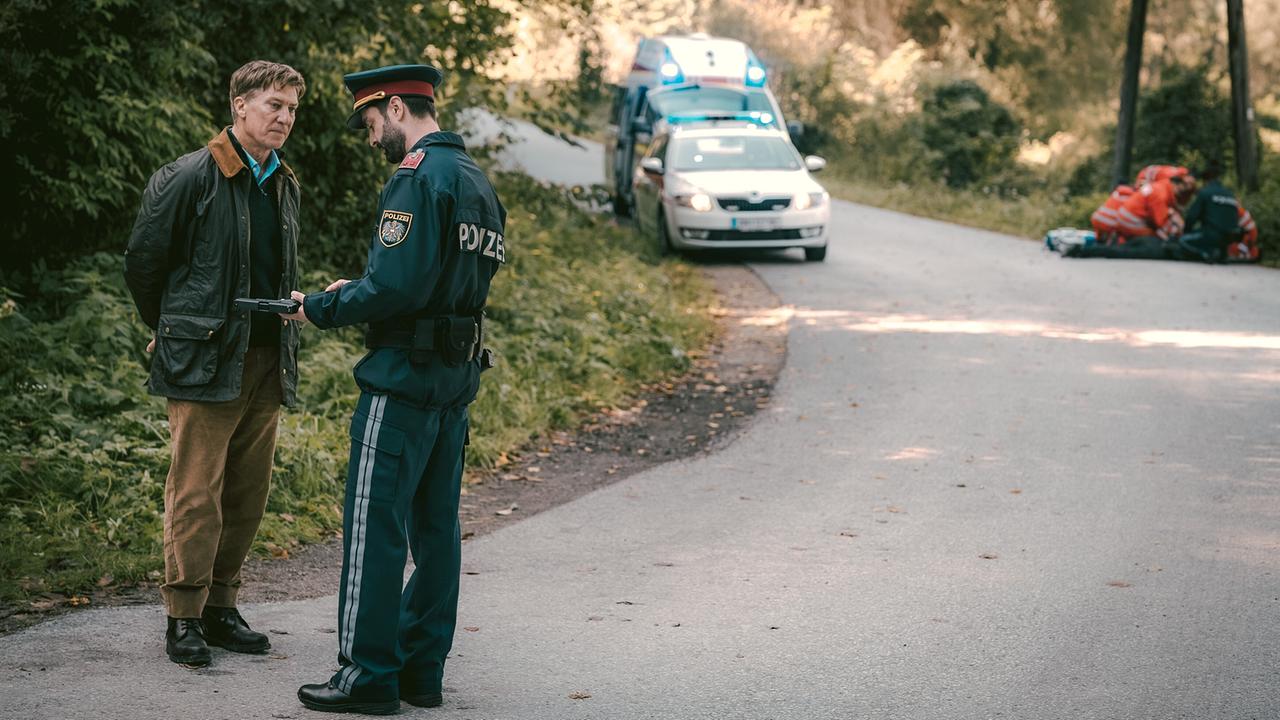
(581, 315)
(100, 93)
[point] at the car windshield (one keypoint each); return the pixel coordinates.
(733, 153)
(695, 100)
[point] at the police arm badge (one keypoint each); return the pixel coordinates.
(394, 227)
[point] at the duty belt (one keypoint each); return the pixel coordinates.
(457, 339)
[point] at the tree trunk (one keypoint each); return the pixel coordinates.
(1241, 110)
(1129, 93)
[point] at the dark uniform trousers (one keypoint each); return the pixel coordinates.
(403, 482)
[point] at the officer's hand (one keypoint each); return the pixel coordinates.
(336, 284)
(151, 346)
(301, 315)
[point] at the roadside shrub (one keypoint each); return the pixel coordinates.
(1264, 206)
(968, 137)
(1185, 120)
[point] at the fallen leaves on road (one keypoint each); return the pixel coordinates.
(471, 628)
(579, 695)
(507, 511)
(1015, 491)
(846, 533)
(1119, 584)
(988, 556)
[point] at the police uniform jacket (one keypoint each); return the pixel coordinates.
(188, 260)
(1215, 211)
(437, 244)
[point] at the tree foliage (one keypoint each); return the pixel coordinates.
(100, 93)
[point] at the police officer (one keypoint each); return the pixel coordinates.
(1212, 219)
(437, 244)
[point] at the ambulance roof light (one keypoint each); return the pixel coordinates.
(670, 69)
(755, 71)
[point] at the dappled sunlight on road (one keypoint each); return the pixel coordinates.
(761, 317)
(1120, 371)
(901, 323)
(912, 453)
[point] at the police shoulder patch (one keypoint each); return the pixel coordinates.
(413, 159)
(394, 227)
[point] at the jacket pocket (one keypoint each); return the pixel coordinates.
(187, 348)
(375, 459)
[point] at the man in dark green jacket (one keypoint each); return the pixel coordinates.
(1213, 220)
(216, 224)
(437, 244)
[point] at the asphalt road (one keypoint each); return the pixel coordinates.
(992, 483)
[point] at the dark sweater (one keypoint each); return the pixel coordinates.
(266, 261)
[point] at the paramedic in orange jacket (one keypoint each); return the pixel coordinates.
(1104, 218)
(1247, 248)
(1152, 210)
(1156, 173)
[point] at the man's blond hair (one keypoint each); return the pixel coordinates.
(257, 75)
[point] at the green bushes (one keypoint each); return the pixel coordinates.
(968, 137)
(1264, 206)
(98, 95)
(580, 316)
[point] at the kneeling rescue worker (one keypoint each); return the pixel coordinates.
(438, 243)
(1218, 226)
(1104, 219)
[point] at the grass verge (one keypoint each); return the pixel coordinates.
(582, 316)
(1023, 215)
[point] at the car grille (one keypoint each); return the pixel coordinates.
(741, 204)
(789, 234)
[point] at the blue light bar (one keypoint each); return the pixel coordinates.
(754, 116)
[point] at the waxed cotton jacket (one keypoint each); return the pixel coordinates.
(188, 260)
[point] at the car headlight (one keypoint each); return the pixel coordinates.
(804, 201)
(698, 201)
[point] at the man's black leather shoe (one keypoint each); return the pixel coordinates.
(422, 699)
(184, 642)
(327, 698)
(225, 628)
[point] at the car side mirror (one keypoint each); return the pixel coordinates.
(652, 165)
(814, 163)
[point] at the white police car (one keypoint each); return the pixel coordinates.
(733, 184)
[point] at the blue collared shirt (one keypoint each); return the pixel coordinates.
(260, 171)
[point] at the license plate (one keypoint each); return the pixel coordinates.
(750, 224)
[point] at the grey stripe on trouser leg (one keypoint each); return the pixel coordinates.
(359, 526)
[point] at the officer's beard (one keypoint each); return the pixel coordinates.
(392, 144)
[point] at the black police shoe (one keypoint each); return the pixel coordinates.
(225, 628)
(327, 698)
(422, 699)
(184, 642)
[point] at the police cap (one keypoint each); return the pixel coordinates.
(370, 86)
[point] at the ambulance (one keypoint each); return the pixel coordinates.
(682, 79)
